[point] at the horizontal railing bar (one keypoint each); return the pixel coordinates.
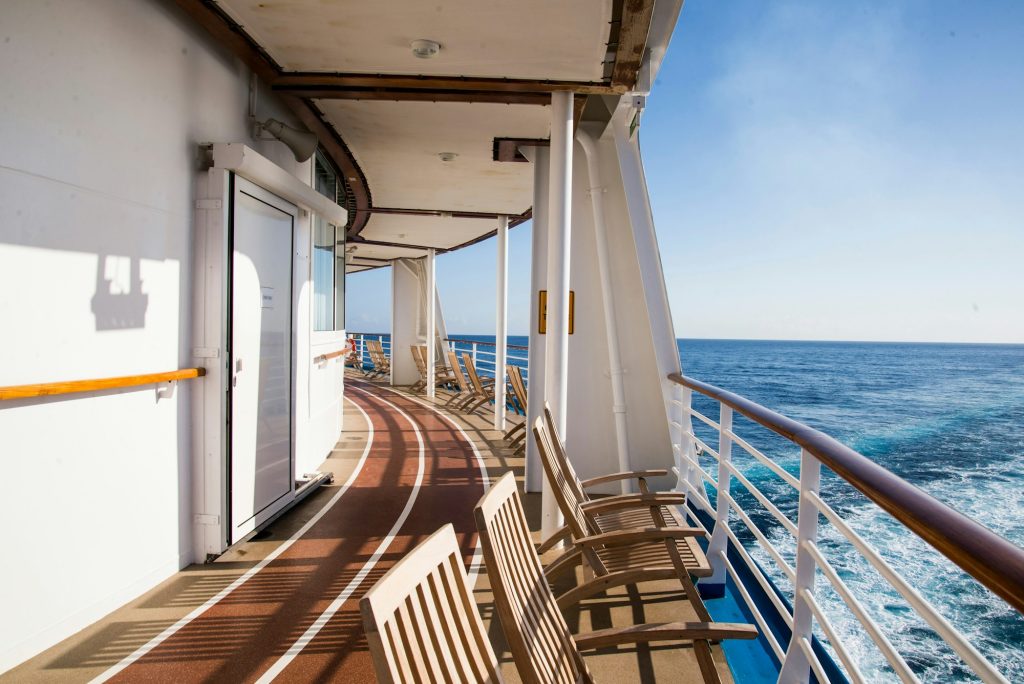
(756, 453)
(756, 612)
(488, 344)
(704, 419)
(765, 501)
(830, 633)
(992, 560)
(51, 389)
(761, 579)
(921, 605)
(896, 661)
(819, 671)
(702, 444)
(765, 544)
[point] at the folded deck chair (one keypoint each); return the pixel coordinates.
(619, 516)
(467, 398)
(378, 358)
(542, 647)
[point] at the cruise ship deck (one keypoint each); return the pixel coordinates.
(283, 605)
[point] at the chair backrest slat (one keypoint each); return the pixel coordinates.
(460, 378)
(541, 644)
(421, 622)
(515, 378)
(564, 488)
(418, 359)
(474, 378)
(561, 458)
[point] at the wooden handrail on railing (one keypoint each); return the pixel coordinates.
(995, 562)
(486, 344)
(332, 355)
(50, 389)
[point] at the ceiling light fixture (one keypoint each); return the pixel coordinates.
(447, 156)
(425, 49)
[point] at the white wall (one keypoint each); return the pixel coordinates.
(590, 439)
(102, 105)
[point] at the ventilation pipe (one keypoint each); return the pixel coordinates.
(611, 325)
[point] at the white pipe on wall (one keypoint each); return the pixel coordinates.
(540, 157)
(556, 379)
(597, 190)
(501, 328)
(431, 321)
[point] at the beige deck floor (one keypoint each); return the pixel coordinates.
(90, 652)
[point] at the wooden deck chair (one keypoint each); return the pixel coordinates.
(467, 399)
(542, 647)
(516, 435)
(627, 516)
(618, 517)
(378, 358)
(482, 388)
(421, 622)
(442, 376)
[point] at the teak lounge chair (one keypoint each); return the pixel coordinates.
(542, 647)
(381, 364)
(442, 376)
(466, 399)
(635, 558)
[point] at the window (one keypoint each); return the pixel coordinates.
(328, 254)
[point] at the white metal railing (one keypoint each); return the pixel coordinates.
(792, 562)
(484, 355)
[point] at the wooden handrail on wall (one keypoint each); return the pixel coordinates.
(995, 562)
(333, 355)
(50, 389)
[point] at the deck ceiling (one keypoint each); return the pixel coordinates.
(537, 39)
(349, 59)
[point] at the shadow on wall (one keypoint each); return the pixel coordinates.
(119, 302)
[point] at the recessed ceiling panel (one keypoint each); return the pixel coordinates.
(534, 39)
(429, 231)
(399, 145)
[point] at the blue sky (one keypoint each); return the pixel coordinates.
(817, 170)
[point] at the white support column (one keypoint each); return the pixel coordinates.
(611, 323)
(431, 322)
(501, 327)
(537, 352)
(556, 379)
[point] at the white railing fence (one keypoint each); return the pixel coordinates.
(788, 559)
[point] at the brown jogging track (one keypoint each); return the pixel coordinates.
(242, 636)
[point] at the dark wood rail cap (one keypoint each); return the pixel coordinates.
(486, 344)
(987, 557)
(50, 389)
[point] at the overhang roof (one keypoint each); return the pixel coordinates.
(384, 115)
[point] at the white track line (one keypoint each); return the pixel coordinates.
(325, 617)
(475, 563)
(164, 635)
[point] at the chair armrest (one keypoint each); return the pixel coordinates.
(612, 503)
(639, 534)
(664, 631)
(614, 477)
(562, 533)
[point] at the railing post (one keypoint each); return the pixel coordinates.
(362, 352)
(796, 668)
(714, 586)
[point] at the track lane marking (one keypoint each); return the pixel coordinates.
(251, 572)
(321, 621)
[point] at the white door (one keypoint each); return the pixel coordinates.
(261, 471)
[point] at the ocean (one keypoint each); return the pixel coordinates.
(947, 417)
